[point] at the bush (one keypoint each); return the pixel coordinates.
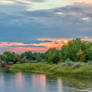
(76, 66)
(89, 62)
(68, 62)
(63, 64)
(2, 64)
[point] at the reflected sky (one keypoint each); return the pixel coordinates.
(20, 82)
(39, 83)
(28, 83)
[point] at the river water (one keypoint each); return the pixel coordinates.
(19, 82)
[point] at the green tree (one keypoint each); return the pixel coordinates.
(73, 50)
(8, 57)
(81, 55)
(26, 56)
(52, 56)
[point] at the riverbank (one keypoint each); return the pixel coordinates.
(84, 71)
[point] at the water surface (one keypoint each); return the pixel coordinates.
(20, 82)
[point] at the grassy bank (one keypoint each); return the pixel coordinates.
(76, 70)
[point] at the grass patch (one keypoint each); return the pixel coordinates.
(83, 70)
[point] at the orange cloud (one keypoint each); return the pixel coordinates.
(55, 43)
(37, 47)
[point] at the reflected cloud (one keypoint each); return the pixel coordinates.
(60, 85)
(39, 83)
(19, 79)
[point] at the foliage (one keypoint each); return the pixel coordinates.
(52, 56)
(75, 51)
(77, 69)
(26, 56)
(76, 66)
(2, 64)
(29, 67)
(7, 57)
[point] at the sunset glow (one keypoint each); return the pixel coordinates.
(37, 47)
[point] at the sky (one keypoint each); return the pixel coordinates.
(38, 25)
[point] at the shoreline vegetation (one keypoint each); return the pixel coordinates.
(73, 59)
(84, 71)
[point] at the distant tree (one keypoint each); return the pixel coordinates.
(27, 56)
(8, 57)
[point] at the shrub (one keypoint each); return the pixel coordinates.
(68, 62)
(76, 66)
(2, 64)
(89, 62)
(63, 64)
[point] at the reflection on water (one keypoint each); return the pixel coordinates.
(1, 80)
(19, 80)
(40, 83)
(60, 85)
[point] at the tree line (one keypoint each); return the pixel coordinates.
(76, 51)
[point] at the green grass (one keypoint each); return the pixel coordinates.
(83, 70)
(30, 67)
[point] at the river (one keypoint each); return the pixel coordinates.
(19, 82)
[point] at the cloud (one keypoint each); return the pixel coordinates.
(31, 19)
(6, 2)
(34, 5)
(44, 45)
(48, 43)
(85, 19)
(60, 13)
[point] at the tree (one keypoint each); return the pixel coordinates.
(52, 56)
(81, 55)
(74, 49)
(89, 54)
(64, 53)
(8, 57)
(27, 56)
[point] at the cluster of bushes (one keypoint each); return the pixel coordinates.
(26, 57)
